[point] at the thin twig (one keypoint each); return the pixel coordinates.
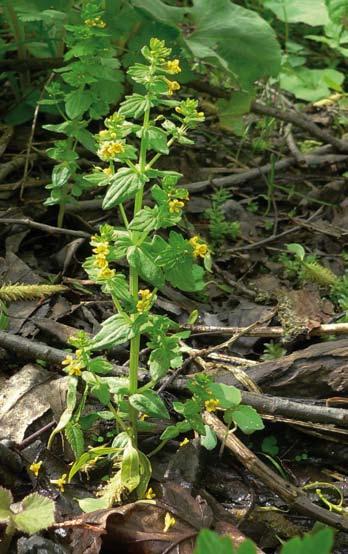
(43, 227)
(260, 331)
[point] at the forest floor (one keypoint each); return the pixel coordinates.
(272, 321)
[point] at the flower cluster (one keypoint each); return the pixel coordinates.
(175, 206)
(200, 248)
(61, 482)
(95, 22)
(172, 87)
(109, 150)
(100, 262)
(74, 365)
(145, 300)
(173, 67)
(211, 405)
(188, 110)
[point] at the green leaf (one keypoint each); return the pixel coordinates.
(227, 395)
(247, 547)
(145, 220)
(247, 419)
(115, 330)
(99, 365)
(209, 542)
(338, 11)
(145, 265)
(234, 38)
(6, 500)
(66, 416)
(311, 12)
(173, 431)
(157, 140)
(149, 403)
(77, 102)
(37, 513)
(134, 106)
(231, 111)
(297, 249)
(130, 468)
(101, 391)
(124, 185)
(145, 474)
(92, 454)
(318, 543)
(75, 438)
(209, 440)
(311, 84)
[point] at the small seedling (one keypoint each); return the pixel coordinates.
(272, 351)
(219, 228)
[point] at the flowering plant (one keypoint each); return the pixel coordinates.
(130, 150)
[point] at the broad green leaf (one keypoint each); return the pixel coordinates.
(149, 403)
(311, 12)
(77, 102)
(311, 84)
(338, 11)
(234, 38)
(75, 438)
(66, 416)
(209, 440)
(157, 140)
(92, 454)
(160, 11)
(101, 392)
(124, 185)
(145, 220)
(6, 500)
(209, 542)
(231, 111)
(130, 468)
(247, 547)
(36, 513)
(93, 504)
(145, 265)
(227, 395)
(186, 275)
(247, 419)
(115, 330)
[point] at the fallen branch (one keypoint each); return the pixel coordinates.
(43, 227)
(292, 495)
(266, 332)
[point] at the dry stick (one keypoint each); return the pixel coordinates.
(292, 495)
(13, 165)
(299, 119)
(274, 405)
(31, 349)
(43, 227)
(208, 350)
(259, 331)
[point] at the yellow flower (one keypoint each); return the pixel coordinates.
(100, 261)
(108, 170)
(169, 521)
(73, 366)
(108, 150)
(200, 248)
(175, 206)
(173, 66)
(68, 360)
(184, 442)
(106, 273)
(211, 405)
(102, 248)
(149, 495)
(172, 87)
(144, 303)
(61, 482)
(95, 22)
(35, 467)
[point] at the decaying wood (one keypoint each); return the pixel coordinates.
(316, 371)
(292, 495)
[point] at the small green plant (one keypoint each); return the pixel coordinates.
(219, 228)
(32, 514)
(154, 258)
(308, 269)
(272, 351)
(270, 445)
(89, 82)
(320, 542)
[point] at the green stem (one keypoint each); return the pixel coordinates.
(117, 417)
(157, 449)
(124, 216)
(61, 214)
(134, 284)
